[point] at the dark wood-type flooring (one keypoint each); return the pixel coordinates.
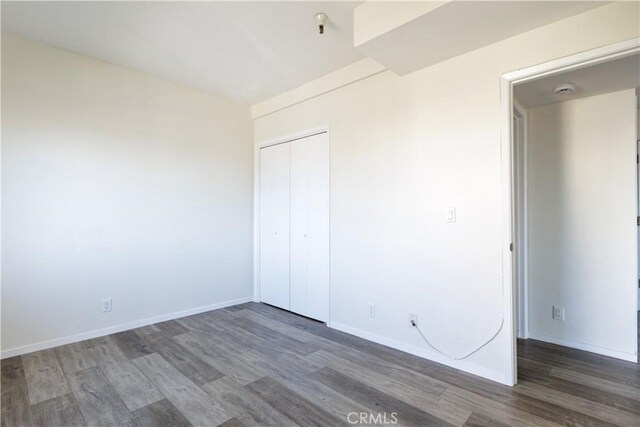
(257, 365)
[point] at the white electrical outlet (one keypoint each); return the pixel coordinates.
(106, 304)
(451, 214)
(372, 310)
(413, 319)
(558, 313)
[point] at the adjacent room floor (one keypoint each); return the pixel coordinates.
(256, 365)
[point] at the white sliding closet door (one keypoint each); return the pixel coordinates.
(274, 225)
(310, 226)
(318, 227)
(299, 253)
(294, 226)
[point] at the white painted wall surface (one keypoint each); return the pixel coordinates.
(116, 184)
(403, 149)
(582, 222)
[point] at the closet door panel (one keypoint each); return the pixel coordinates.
(274, 225)
(318, 227)
(299, 292)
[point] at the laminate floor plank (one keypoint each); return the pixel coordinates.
(16, 416)
(487, 407)
(17, 395)
(423, 398)
(277, 326)
(44, 376)
(131, 344)
(297, 378)
(294, 406)
(98, 400)
(243, 340)
(589, 363)
(478, 420)
(160, 413)
(188, 398)
(12, 372)
(552, 412)
(244, 405)
(603, 385)
(578, 404)
(291, 344)
(191, 366)
(14, 384)
(376, 400)
(233, 422)
(171, 328)
(381, 367)
(132, 387)
(161, 330)
(631, 405)
(56, 412)
(75, 357)
(227, 363)
(199, 322)
(219, 319)
(14, 406)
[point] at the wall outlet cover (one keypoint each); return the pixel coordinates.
(107, 304)
(558, 313)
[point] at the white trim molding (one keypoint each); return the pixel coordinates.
(507, 81)
(118, 328)
(521, 269)
(629, 357)
(480, 371)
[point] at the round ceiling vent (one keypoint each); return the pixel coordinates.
(564, 89)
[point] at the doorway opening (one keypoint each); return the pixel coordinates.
(572, 201)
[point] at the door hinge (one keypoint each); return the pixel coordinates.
(638, 219)
(511, 244)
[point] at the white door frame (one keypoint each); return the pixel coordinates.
(520, 223)
(507, 81)
(638, 201)
(256, 202)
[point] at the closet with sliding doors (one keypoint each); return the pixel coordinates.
(294, 225)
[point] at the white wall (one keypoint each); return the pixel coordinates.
(116, 184)
(403, 149)
(582, 222)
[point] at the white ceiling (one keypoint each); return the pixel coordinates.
(594, 80)
(247, 51)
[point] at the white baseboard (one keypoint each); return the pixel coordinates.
(117, 328)
(462, 365)
(586, 347)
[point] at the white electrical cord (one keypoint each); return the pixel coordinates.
(413, 323)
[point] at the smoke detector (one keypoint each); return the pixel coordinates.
(564, 89)
(321, 20)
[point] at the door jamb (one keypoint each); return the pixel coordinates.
(521, 238)
(507, 81)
